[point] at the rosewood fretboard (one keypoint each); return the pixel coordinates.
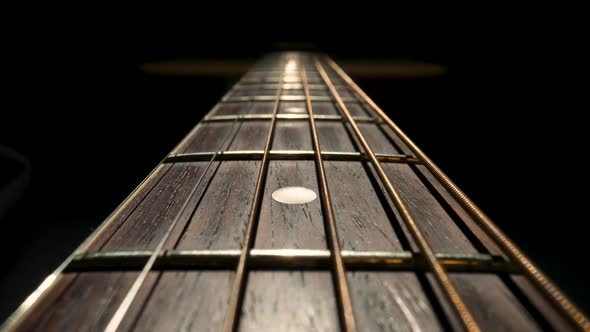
(388, 244)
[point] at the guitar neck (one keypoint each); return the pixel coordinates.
(297, 204)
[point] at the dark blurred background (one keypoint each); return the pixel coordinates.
(506, 122)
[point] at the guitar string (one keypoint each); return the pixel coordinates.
(241, 274)
(551, 291)
(104, 240)
(230, 131)
(346, 313)
(18, 316)
(121, 312)
(463, 313)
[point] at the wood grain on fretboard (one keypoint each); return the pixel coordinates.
(288, 300)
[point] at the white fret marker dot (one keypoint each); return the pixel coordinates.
(294, 195)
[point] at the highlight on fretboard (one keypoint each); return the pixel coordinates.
(297, 204)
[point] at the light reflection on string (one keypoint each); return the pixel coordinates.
(121, 312)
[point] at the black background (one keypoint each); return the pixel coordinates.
(507, 123)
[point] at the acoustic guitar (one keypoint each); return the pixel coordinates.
(297, 204)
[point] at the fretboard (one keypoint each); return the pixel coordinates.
(296, 204)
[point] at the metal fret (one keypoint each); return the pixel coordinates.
(288, 155)
(334, 260)
(282, 98)
(12, 323)
(295, 117)
(266, 73)
(438, 270)
(344, 301)
(132, 293)
(255, 82)
(286, 86)
(286, 259)
(550, 290)
(237, 295)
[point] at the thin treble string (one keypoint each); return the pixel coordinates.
(241, 274)
(331, 233)
(134, 290)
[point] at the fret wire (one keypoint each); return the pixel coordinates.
(17, 317)
(286, 259)
(121, 312)
(294, 117)
(554, 293)
(251, 83)
(245, 99)
(106, 239)
(438, 270)
(186, 138)
(274, 79)
(237, 155)
(212, 111)
(257, 71)
(228, 93)
(339, 271)
(191, 134)
(237, 294)
(547, 287)
(286, 86)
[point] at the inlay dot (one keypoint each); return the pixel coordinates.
(294, 195)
